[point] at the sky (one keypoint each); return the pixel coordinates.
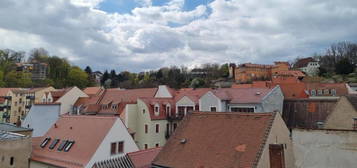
(140, 35)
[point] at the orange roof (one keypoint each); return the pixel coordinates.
(162, 102)
(241, 95)
(290, 73)
(87, 131)
(201, 140)
(293, 90)
(4, 91)
(91, 91)
(341, 89)
(193, 94)
(250, 65)
(143, 158)
(126, 95)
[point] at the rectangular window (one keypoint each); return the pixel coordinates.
(146, 146)
(189, 109)
(68, 146)
(54, 143)
(319, 92)
(354, 123)
(213, 109)
(121, 147)
(242, 109)
(45, 142)
(146, 129)
(62, 145)
(157, 145)
(156, 109)
(175, 125)
(157, 127)
(113, 147)
(181, 110)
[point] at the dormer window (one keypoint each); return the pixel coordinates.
(156, 109)
(319, 92)
(114, 106)
(168, 109)
(333, 92)
(326, 92)
(313, 92)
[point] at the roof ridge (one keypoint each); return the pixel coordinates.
(145, 151)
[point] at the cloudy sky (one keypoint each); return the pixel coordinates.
(138, 35)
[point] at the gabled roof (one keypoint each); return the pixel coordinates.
(91, 91)
(192, 94)
(4, 135)
(293, 90)
(143, 158)
(340, 88)
(117, 162)
(353, 100)
(126, 95)
(217, 139)
(86, 131)
(240, 95)
(303, 62)
(4, 91)
(162, 102)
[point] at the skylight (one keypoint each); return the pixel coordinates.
(45, 142)
(62, 145)
(54, 143)
(68, 146)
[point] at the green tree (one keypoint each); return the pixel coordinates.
(18, 79)
(39, 55)
(58, 71)
(8, 59)
(344, 66)
(77, 77)
(197, 83)
(2, 83)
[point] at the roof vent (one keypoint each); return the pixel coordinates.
(183, 140)
(258, 93)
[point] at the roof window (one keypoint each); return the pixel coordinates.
(54, 143)
(45, 142)
(62, 145)
(68, 146)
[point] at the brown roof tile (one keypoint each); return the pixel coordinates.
(79, 129)
(217, 140)
(242, 95)
(143, 158)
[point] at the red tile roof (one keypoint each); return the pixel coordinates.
(87, 131)
(290, 73)
(4, 91)
(92, 91)
(162, 102)
(240, 95)
(250, 65)
(217, 140)
(192, 94)
(341, 89)
(303, 62)
(143, 158)
(126, 95)
(293, 90)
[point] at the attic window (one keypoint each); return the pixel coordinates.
(354, 124)
(114, 106)
(54, 143)
(319, 92)
(45, 142)
(62, 145)
(157, 109)
(333, 92)
(313, 92)
(68, 146)
(326, 92)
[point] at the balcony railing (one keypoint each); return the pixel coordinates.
(175, 117)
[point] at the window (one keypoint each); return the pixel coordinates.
(213, 109)
(114, 106)
(54, 143)
(145, 146)
(143, 111)
(319, 92)
(181, 110)
(326, 92)
(333, 92)
(121, 147)
(113, 147)
(168, 110)
(44, 142)
(68, 146)
(146, 129)
(62, 145)
(157, 145)
(190, 109)
(12, 161)
(157, 127)
(313, 92)
(175, 125)
(354, 124)
(157, 109)
(242, 109)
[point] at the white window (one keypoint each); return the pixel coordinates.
(319, 92)
(157, 109)
(333, 92)
(313, 92)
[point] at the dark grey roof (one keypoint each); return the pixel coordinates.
(118, 162)
(353, 100)
(12, 128)
(8, 135)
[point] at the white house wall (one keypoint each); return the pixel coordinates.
(67, 101)
(323, 148)
(209, 100)
(116, 134)
(163, 92)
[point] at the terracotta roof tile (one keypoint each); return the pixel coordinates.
(341, 89)
(79, 129)
(193, 94)
(92, 91)
(240, 95)
(217, 140)
(303, 62)
(143, 158)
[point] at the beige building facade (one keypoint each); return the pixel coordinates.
(344, 116)
(15, 150)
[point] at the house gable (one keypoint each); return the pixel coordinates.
(342, 115)
(209, 100)
(163, 92)
(185, 101)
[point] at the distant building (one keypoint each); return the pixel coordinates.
(80, 142)
(7, 127)
(37, 69)
(222, 140)
(15, 150)
(97, 77)
(344, 115)
(5, 104)
(255, 100)
(308, 65)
